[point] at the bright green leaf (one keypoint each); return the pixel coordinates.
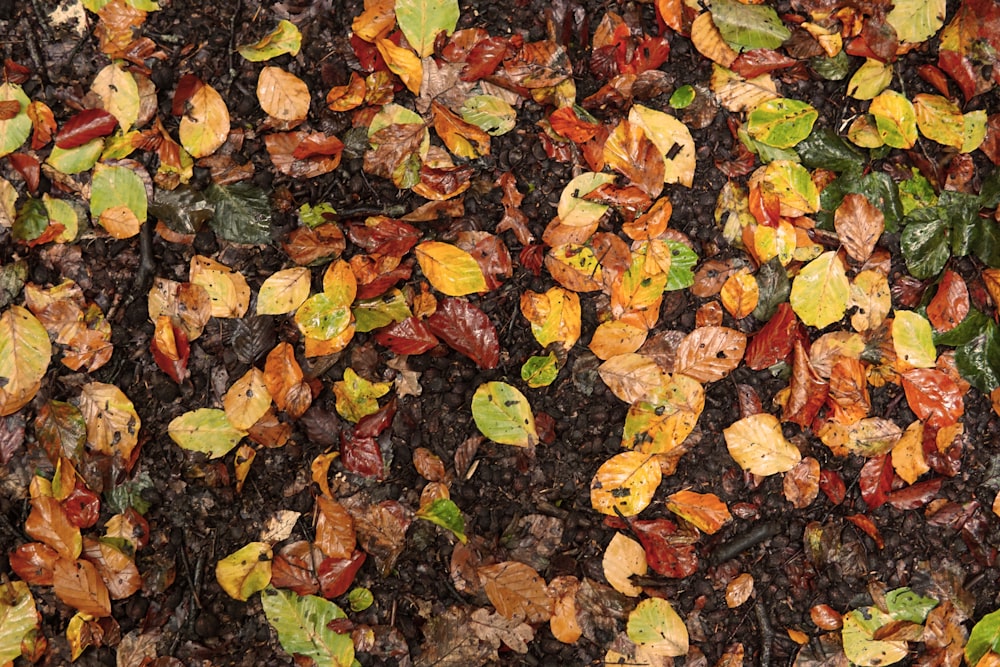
(749, 26)
(913, 339)
(820, 291)
(781, 123)
(314, 216)
(682, 97)
(489, 113)
(905, 605)
(445, 513)
(422, 20)
(682, 262)
(18, 617)
(540, 371)
(242, 212)
(245, 571)
(205, 430)
(323, 317)
(360, 599)
(503, 415)
(302, 623)
(895, 119)
(13, 131)
(113, 187)
(371, 314)
(286, 38)
(656, 627)
(985, 636)
(357, 397)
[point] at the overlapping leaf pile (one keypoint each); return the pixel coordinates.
(810, 211)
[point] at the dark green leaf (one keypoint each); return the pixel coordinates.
(129, 494)
(184, 209)
(31, 221)
(880, 189)
(974, 324)
(924, 243)
(774, 286)
(824, 149)
(832, 69)
(962, 211)
(985, 242)
(978, 361)
(12, 279)
(990, 192)
(242, 213)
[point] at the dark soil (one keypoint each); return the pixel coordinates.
(196, 517)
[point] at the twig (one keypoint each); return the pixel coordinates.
(744, 541)
(766, 631)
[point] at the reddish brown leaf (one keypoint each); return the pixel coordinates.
(381, 529)
(484, 58)
(29, 169)
(9, 109)
(863, 522)
(668, 551)
(950, 304)
(832, 486)
(513, 218)
(43, 124)
(466, 329)
(760, 61)
(933, 396)
(83, 507)
(334, 529)
(807, 390)
(337, 574)
(307, 246)
(86, 125)
(294, 567)
(372, 425)
(304, 154)
(187, 86)
(876, 480)
(361, 455)
(801, 483)
(384, 236)
(34, 562)
(775, 341)
(409, 336)
(490, 252)
(826, 617)
(15, 72)
(934, 76)
(429, 465)
(916, 495)
(170, 348)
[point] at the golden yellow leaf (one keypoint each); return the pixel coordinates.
(625, 483)
(908, 458)
(227, 289)
(204, 127)
(757, 444)
(623, 558)
(403, 62)
(449, 269)
(247, 400)
(282, 95)
(283, 291)
(703, 510)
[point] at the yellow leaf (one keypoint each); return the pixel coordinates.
(821, 290)
(573, 209)
(450, 269)
(25, 352)
(656, 627)
(119, 94)
(939, 119)
(246, 571)
(625, 484)
(340, 283)
(739, 294)
(204, 126)
(247, 400)
(757, 444)
(708, 41)
(871, 300)
(463, 139)
(575, 267)
(227, 289)
(674, 140)
(554, 316)
(403, 62)
(913, 340)
(283, 291)
(282, 95)
(908, 458)
(623, 558)
(613, 338)
(112, 423)
(245, 455)
(632, 377)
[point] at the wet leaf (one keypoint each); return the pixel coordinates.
(445, 513)
(283, 291)
(245, 571)
(357, 397)
(740, 294)
(78, 584)
(859, 225)
(497, 631)
(517, 591)
(303, 626)
(913, 340)
(450, 269)
(282, 95)
(112, 423)
(242, 213)
(703, 510)
(119, 94)
(25, 353)
(49, 523)
(895, 119)
(933, 396)
(205, 430)
(655, 626)
(820, 291)
(625, 483)
(285, 381)
(801, 483)
(285, 38)
(757, 444)
(18, 618)
(672, 138)
(628, 151)
(503, 415)
(466, 329)
(554, 316)
(781, 123)
(623, 558)
(939, 119)
(870, 79)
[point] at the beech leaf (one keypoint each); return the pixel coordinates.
(206, 430)
(757, 444)
(503, 415)
(450, 269)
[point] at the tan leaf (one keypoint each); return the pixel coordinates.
(78, 584)
(757, 444)
(629, 152)
(227, 289)
(282, 95)
(801, 483)
(859, 225)
(708, 354)
(117, 570)
(632, 377)
(495, 629)
(623, 558)
(517, 591)
(739, 590)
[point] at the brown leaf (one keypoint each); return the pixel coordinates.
(78, 584)
(709, 354)
(513, 218)
(859, 225)
(826, 617)
(304, 154)
(294, 567)
(381, 529)
(950, 304)
(517, 591)
(807, 390)
(334, 528)
(117, 569)
(429, 465)
(495, 630)
(34, 562)
(801, 483)
(630, 152)
(284, 380)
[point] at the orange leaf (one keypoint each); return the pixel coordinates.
(78, 584)
(950, 304)
(49, 523)
(704, 510)
(708, 354)
(739, 590)
(740, 293)
(283, 95)
(801, 483)
(334, 529)
(630, 152)
(284, 380)
(517, 591)
(563, 623)
(933, 396)
(118, 571)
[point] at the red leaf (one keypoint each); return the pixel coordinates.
(385, 237)
(84, 126)
(466, 329)
(807, 390)
(667, 552)
(14, 72)
(293, 568)
(832, 486)
(484, 58)
(876, 480)
(187, 86)
(337, 574)
(916, 495)
(950, 304)
(318, 144)
(961, 70)
(760, 61)
(492, 255)
(28, 167)
(934, 76)
(410, 336)
(372, 425)
(531, 257)
(362, 456)
(34, 562)
(380, 284)
(83, 507)
(933, 396)
(775, 341)
(863, 522)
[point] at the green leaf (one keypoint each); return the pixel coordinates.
(905, 605)
(76, 160)
(12, 278)
(489, 113)
(985, 636)
(205, 430)
(540, 371)
(870, 79)
(974, 324)
(985, 242)
(242, 213)
(916, 192)
(286, 38)
(978, 361)
(824, 148)
(924, 243)
(682, 261)
(782, 122)
(245, 571)
(445, 513)
(422, 20)
(832, 69)
(117, 186)
(184, 209)
(962, 211)
(773, 286)
(360, 599)
(940, 119)
(895, 119)
(682, 97)
(323, 316)
(916, 21)
(18, 617)
(820, 291)
(655, 625)
(31, 221)
(749, 26)
(302, 623)
(314, 216)
(503, 415)
(371, 314)
(356, 397)
(63, 213)
(130, 493)
(13, 131)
